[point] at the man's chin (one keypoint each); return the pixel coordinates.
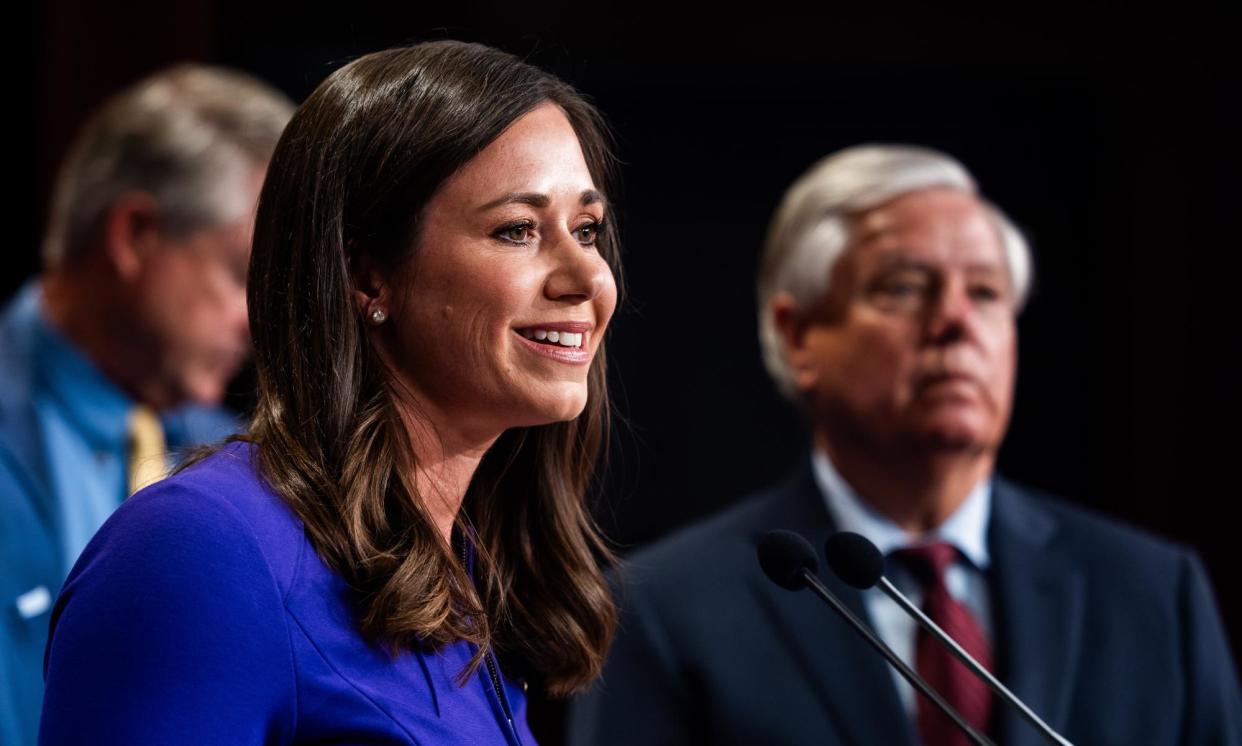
(206, 392)
(955, 435)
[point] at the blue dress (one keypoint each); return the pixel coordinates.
(200, 614)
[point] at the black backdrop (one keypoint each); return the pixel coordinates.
(1109, 134)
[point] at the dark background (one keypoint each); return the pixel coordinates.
(1109, 134)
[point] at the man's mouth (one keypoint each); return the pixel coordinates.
(934, 376)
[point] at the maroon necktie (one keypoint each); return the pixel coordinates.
(946, 674)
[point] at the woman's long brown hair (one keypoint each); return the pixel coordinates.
(357, 164)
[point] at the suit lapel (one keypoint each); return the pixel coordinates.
(1038, 599)
(852, 680)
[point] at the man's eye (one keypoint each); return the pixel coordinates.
(516, 233)
(902, 289)
(985, 293)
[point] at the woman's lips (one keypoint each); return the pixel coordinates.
(580, 355)
(576, 327)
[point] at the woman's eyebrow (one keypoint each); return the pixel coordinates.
(535, 199)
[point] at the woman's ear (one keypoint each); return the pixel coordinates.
(371, 289)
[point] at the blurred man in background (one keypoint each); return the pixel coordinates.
(888, 298)
(122, 349)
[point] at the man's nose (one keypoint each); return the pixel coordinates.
(949, 313)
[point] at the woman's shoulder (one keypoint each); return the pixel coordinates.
(172, 626)
(220, 505)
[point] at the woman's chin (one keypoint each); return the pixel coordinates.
(567, 405)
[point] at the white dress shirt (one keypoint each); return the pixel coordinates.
(965, 529)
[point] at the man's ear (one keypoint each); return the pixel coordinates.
(792, 325)
(131, 233)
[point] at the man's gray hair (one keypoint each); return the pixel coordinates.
(810, 230)
(186, 136)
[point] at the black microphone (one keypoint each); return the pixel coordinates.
(789, 561)
(857, 562)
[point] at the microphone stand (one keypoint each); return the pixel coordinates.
(906, 672)
(926, 623)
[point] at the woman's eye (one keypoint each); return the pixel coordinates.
(588, 234)
(517, 233)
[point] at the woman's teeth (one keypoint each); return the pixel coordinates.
(564, 339)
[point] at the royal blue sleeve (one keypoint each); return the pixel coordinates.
(170, 630)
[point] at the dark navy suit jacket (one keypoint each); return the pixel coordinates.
(1109, 634)
(31, 559)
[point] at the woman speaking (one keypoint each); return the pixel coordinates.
(399, 544)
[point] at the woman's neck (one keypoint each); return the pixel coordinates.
(446, 459)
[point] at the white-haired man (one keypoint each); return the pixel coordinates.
(888, 294)
(122, 349)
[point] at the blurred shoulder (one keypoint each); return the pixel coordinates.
(1100, 543)
(708, 555)
(705, 541)
(190, 426)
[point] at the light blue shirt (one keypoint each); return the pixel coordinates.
(965, 529)
(84, 420)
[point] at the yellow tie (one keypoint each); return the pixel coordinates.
(148, 454)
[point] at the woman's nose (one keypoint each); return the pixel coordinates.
(579, 272)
